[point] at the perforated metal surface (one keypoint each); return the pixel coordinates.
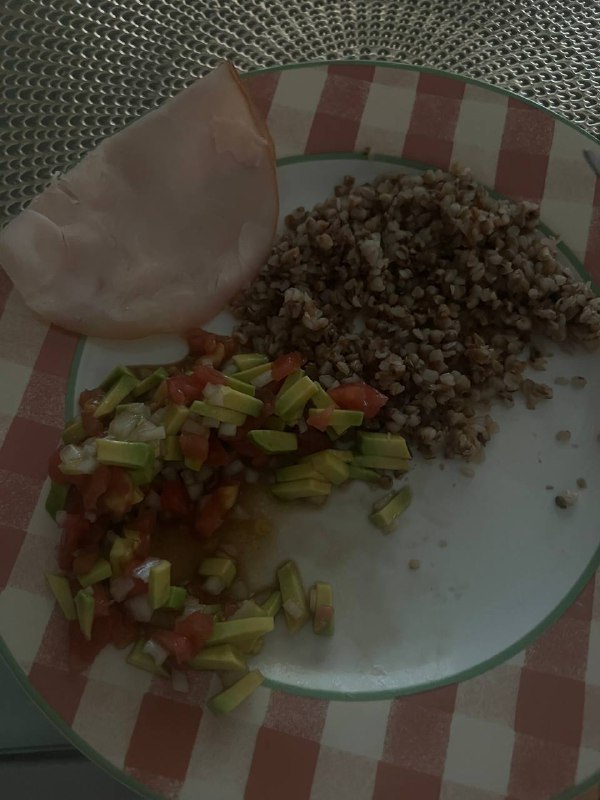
(74, 71)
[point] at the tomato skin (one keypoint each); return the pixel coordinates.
(203, 343)
(321, 420)
(174, 498)
(285, 365)
(312, 441)
(184, 389)
(217, 455)
(176, 644)
(359, 397)
(197, 627)
(118, 499)
(54, 470)
(102, 600)
(84, 561)
(194, 445)
(89, 400)
(209, 516)
(94, 486)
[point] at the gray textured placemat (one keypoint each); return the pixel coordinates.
(73, 71)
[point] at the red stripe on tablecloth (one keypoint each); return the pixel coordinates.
(27, 447)
(540, 769)
(163, 787)
(418, 731)
(430, 135)
(550, 707)
(524, 151)
(397, 783)
(261, 89)
(18, 496)
(163, 737)
(54, 647)
(592, 253)
(57, 352)
(11, 540)
(283, 766)
(298, 716)
(5, 289)
(562, 650)
(583, 607)
(61, 688)
(339, 113)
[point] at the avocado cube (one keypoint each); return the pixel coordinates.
(223, 568)
(293, 596)
(343, 455)
(274, 441)
(363, 474)
(248, 375)
(324, 613)
(151, 382)
(177, 598)
(99, 572)
(124, 454)
(240, 386)
(61, 590)
(160, 394)
(147, 472)
(56, 499)
(292, 380)
(331, 467)
(222, 656)
(121, 553)
(238, 401)
(74, 433)
(289, 403)
(138, 658)
(114, 376)
(116, 394)
(174, 418)
(383, 444)
(230, 698)
(244, 361)
(272, 605)
(217, 412)
(321, 399)
(170, 449)
(397, 505)
(297, 472)
(85, 606)
(296, 490)
(159, 584)
(249, 609)
(235, 630)
(382, 462)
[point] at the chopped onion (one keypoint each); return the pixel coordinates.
(139, 607)
(120, 587)
(169, 473)
(213, 394)
(293, 609)
(302, 426)
(233, 469)
(252, 476)
(61, 518)
(158, 653)
(180, 681)
(206, 361)
(195, 491)
(193, 426)
(146, 431)
(152, 500)
(211, 422)
(239, 590)
(213, 585)
(123, 425)
(143, 571)
(158, 416)
(229, 368)
(262, 379)
(227, 429)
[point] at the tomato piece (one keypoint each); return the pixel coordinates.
(174, 498)
(321, 420)
(102, 600)
(201, 342)
(92, 425)
(182, 390)
(89, 400)
(118, 499)
(75, 528)
(194, 445)
(210, 516)
(94, 486)
(177, 645)
(217, 455)
(197, 627)
(145, 523)
(84, 561)
(74, 504)
(124, 629)
(359, 397)
(285, 365)
(204, 374)
(312, 441)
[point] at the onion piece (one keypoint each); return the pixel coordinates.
(152, 500)
(233, 469)
(211, 422)
(120, 587)
(180, 681)
(193, 426)
(159, 415)
(158, 653)
(227, 429)
(213, 394)
(123, 425)
(61, 518)
(146, 431)
(139, 607)
(263, 379)
(252, 476)
(302, 426)
(143, 571)
(213, 585)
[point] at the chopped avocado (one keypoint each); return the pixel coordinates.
(147, 472)
(238, 401)
(124, 454)
(249, 609)
(222, 656)
(85, 605)
(293, 596)
(390, 512)
(244, 361)
(170, 449)
(74, 433)
(177, 598)
(223, 568)
(274, 441)
(114, 376)
(151, 382)
(217, 412)
(159, 584)
(290, 403)
(194, 464)
(321, 399)
(343, 455)
(292, 380)
(274, 424)
(230, 698)
(141, 409)
(297, 472)
(363, 474)
(116, 394)
(341, 420)
(382, 462)
(248, 375)
(272, 605)
(295, 490)
(234, 630)
(323, 613)
(132, 535)
(251, 646)
(99, 572)
(174, 418)
(240, 386)
(160, 395)
(121, 553)
(383, 444)
(62, 593)
(56, 499)
(138, 658)
(331, 467)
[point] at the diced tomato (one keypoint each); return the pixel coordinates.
(312, 441)
(217, 455)
(174, 498)
(209, 516)
(145, 523)
(74, 504)
(184, 389)
(176, 644)
(285, 365)
(91, 424)
(54, 471)
(194, 445)
(202, 342)
(197, 627)
(94, 486)
(321, 420)
(359, 397)
(84, 561)
(89, 400)
(118, 499)
(244, 447)
(229, 608)
(102, 601)
(124, 629)
(75, 528)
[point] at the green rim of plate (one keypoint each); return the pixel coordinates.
(118, 773)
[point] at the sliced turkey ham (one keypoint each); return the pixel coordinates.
(158, 227)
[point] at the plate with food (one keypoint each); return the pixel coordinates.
(300, 441)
